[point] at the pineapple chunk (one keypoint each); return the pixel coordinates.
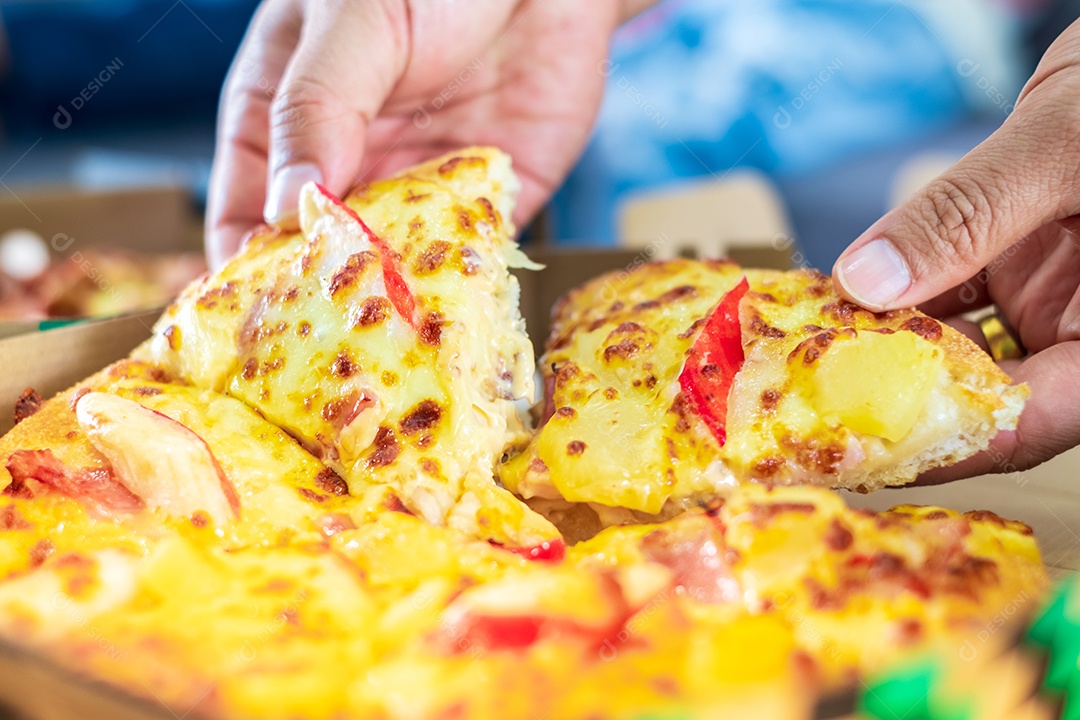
(875, 384)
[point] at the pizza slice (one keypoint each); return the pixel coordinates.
(674, 381)
(126, 458)
(385, 337)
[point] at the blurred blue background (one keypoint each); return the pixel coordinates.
(828, 97)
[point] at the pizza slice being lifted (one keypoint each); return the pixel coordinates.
(384, 337)
(670, 383)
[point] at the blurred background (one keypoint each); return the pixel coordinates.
(787, 124)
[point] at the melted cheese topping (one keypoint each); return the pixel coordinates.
(399, 618)
(403, 589)
(302, 328)
(828, 391)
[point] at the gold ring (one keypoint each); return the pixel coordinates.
(1003, 343)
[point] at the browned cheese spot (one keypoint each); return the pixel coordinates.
(10, 518)
(452, 164)
(693, 329)
(424, 416)
(433, 258)
(430, 330)
(768, 467)
(373, 311)
(838, 537)
(309, 494)
(565, 373)
(464, 219)
(348, 273)
(575, 447)
(489, 209)
(680, 407)
(924, 327)
(811, 454)
(386, 448)
(41, 551)
(330, 482)
(812, 348)
(28, 403)
(759, 327)
(210, 299)
(343, 365)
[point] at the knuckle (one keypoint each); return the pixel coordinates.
(300, 103)
(954, 216)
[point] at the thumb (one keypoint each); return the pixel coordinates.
(347, 62)
(1021, 178)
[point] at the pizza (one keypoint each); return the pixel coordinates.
(391, 347)
(710, 375)
(284, 505)
(95, 283)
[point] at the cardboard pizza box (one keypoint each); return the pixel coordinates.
(151, 219)
(72, 220)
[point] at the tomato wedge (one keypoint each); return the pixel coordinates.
(714, 360)
(549, 551)
(400, 296)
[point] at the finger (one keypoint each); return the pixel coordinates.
(971, 330)
(1049, 425)
(970, 295)
(1018, 180)
(238, 178)
(348, 61)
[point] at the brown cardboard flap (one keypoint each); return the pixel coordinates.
(68, 219)
(33, 687)
(54, 360)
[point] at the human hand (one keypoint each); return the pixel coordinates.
(1000, 227)
(345, 92)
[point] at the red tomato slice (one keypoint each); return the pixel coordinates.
(400, 296)
(714, 360)
(550, 551)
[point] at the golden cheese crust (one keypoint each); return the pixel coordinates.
(829, 393)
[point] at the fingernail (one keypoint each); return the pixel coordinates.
(874, 275)
(284, 191)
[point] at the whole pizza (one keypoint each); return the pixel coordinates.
(312, 494)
